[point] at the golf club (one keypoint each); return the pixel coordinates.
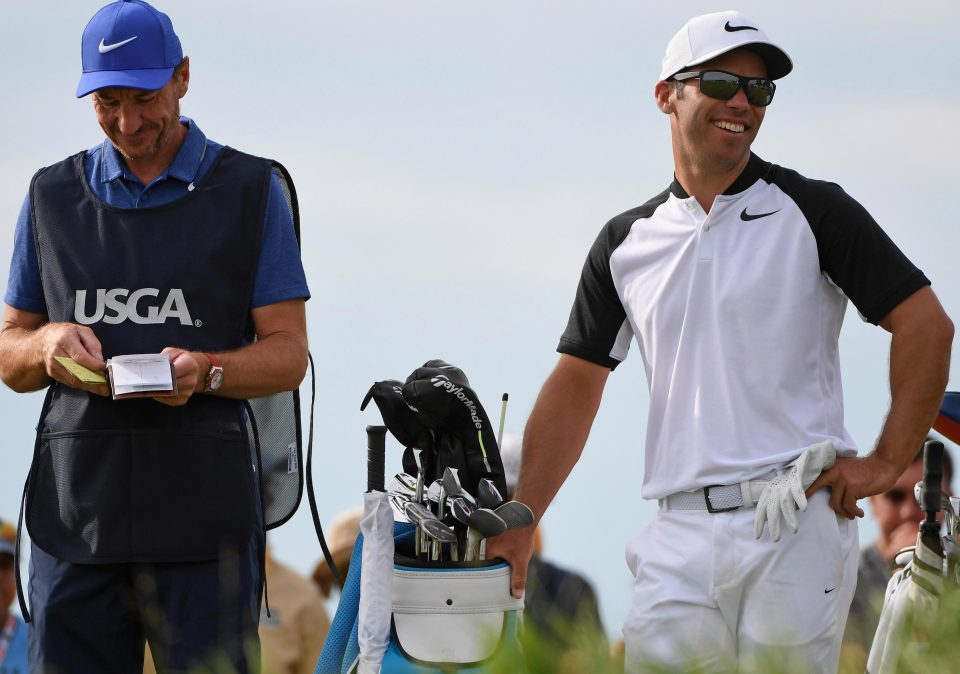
(488, 495)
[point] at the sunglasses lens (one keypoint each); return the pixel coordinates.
(760, 92)
(719, 85)
(724, 86)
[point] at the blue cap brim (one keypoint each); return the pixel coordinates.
(154, 78)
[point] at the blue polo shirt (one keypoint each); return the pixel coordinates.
(280, 273)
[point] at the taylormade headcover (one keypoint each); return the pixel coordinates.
(462, 432)
(784, 495)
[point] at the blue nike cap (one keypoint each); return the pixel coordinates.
(128, 44)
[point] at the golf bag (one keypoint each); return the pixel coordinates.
(445, 617)
(420, 616)
(913, 594)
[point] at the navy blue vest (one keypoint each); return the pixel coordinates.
(134, 480)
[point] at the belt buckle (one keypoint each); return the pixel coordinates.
(710, 508)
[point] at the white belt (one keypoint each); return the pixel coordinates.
(716, 498)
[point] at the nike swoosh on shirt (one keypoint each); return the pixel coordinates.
(104, 48)
(747, 217)
(733, 29)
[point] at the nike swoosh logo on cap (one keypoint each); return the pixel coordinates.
(733, 29)
(746, 217)
(104, 48)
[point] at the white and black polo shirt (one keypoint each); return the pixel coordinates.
(737, 314)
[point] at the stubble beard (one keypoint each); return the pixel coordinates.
(163, 138)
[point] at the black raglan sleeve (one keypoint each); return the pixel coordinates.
(855, 253)
(598, 316)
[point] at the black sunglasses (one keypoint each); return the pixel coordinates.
(895, 496)
(724, 86)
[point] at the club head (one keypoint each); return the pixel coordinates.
(484, 523)
(451, 481)
(417, 512)
(398, 490)
(488, 495)
(403, 482)
(398, 502)
(516, 514)
(438, 531)
(487, 523)
(452, 486)
(461, 510)
(434, 491)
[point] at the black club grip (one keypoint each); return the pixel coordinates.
(376, 457)
(932, 477)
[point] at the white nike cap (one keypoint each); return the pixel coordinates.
(709, 35)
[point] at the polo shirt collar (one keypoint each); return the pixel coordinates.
(184, 166)
(756, 169)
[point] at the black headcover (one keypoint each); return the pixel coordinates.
(402, 421)
(437, 399)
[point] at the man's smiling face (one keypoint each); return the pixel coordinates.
(711, 132)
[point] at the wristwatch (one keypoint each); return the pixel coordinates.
(215, 376)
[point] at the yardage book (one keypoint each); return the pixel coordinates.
(140, 375)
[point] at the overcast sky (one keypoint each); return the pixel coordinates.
(454, 162)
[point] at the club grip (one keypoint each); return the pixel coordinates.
(932, 477)
(376, 457)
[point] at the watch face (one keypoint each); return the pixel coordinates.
(214, 379)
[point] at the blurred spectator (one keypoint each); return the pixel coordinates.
(898, 518)
(560, 605)
(13, 631)
(341, 537)
(292, 637)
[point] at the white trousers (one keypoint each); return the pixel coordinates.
(708, 594)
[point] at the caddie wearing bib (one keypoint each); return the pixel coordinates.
(734, 281)
(145, 514)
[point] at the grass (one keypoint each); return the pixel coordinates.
(933, 648)
(933, 638)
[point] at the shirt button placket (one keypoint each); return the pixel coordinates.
(705, 249)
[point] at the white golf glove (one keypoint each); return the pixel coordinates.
(784, 494)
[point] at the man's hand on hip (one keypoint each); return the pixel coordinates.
(516, 548)
(853, 478)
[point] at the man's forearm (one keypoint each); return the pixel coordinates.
(276, 362)
(269, 365)
(21, 360)
(557, 430)
(29, 346)
(919, 369)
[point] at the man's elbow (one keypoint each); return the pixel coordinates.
(296, 368)
(299, 372)
(20, 383)
(940, 331)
